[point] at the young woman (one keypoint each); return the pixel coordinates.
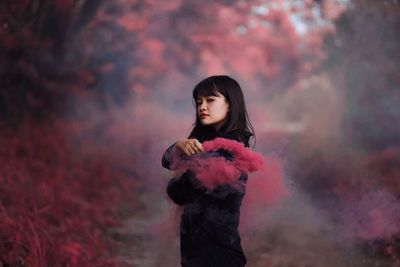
(209, 223)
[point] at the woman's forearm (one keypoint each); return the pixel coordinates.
(170, 156)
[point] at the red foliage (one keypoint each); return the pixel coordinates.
(56, 205)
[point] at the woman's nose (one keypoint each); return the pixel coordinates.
(203, 105)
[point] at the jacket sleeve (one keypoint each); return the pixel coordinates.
(184, 189)
(170, 155)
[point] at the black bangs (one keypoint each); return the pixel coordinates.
(205, 88)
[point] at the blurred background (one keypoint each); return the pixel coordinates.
(93, 92)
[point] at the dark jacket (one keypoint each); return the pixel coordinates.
(209, 223)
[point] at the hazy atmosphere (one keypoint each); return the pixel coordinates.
(92, 92)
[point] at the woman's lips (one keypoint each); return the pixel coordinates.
(203, 116)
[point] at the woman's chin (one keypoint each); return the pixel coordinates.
(205, 122)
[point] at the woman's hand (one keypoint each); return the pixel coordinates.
(189, 146)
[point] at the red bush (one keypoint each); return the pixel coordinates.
(56, 204)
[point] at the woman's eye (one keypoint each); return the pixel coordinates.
(207, 100)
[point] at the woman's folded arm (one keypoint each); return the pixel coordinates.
(185, 189)
(171, 156)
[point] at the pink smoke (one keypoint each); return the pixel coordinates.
(264, 187)
(371, 215)
(214, 171)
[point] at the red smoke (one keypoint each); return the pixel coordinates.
(264, 191)
(214, 171)
(264, 187)
(245, 159)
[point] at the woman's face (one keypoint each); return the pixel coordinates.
(212, 110)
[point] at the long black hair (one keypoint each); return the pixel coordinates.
(238, 121)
